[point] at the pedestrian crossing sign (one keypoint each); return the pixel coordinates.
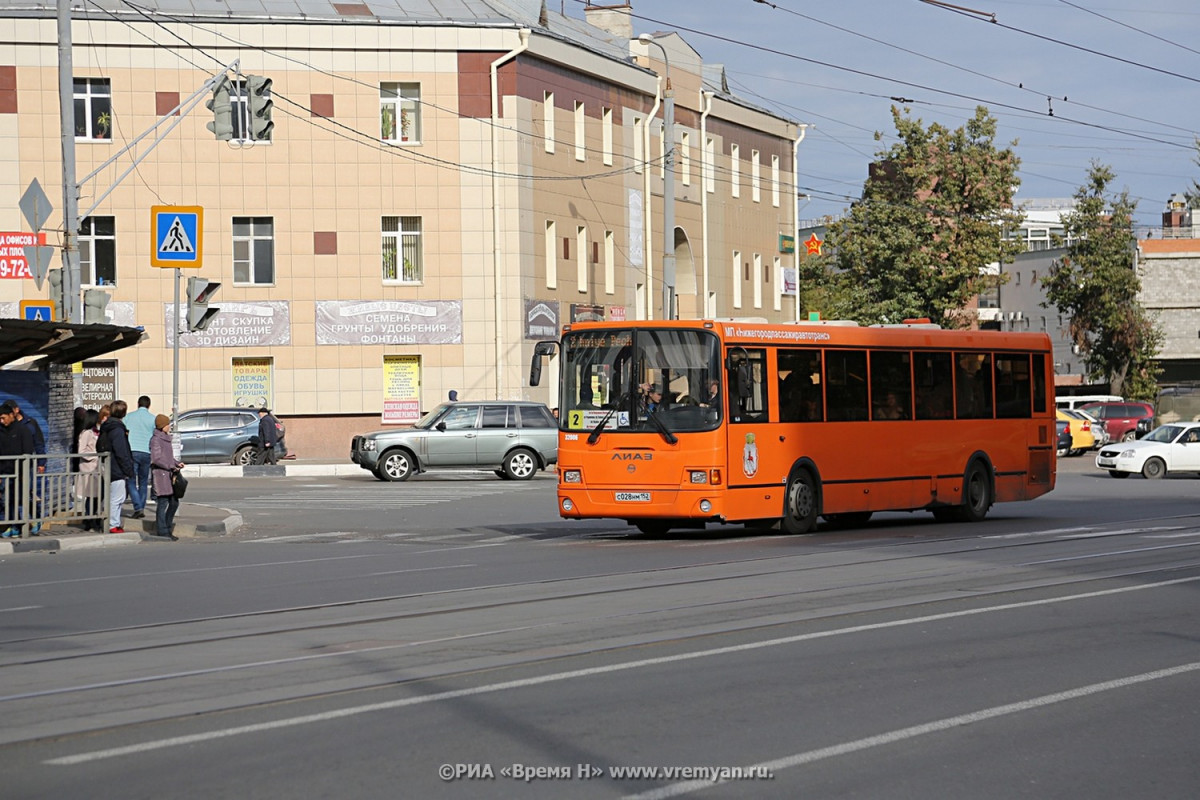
(37, 310)
(177, 234)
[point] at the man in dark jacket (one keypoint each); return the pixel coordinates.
(16, 439)
(268, 437)
(114, 439)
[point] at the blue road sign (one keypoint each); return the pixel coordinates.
(177, 233)
(37, 310)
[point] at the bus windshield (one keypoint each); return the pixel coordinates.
(614, 381)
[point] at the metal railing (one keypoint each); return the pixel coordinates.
(62, 488)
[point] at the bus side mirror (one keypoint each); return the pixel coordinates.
(540, 350)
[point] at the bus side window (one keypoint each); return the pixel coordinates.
(751, 407)
(934, 379)
(1013, 386)
(800, 386)
(846, 374)
(891, 385)
(973, 385)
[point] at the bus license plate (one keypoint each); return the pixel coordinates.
(633, 497)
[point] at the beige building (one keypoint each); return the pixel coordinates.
(440, 190)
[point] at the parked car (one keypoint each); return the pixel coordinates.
(1099, 428)
(1121, 418)
(1064, 437)
(513, 438)
(1081, 432)
(220, 436)
(1080, 400)
(1167, 448)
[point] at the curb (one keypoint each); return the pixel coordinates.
(143, 532)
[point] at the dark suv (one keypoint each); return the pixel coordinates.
(1125, 421)
(219, 436)
(513, 438)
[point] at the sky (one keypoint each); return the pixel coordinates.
(1071, 81)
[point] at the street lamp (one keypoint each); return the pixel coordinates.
(668, 276)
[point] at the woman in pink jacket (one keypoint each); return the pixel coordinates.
(163, 467)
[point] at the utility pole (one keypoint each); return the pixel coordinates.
(668, 276)
(71, 311)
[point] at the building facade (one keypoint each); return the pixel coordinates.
(439, 191)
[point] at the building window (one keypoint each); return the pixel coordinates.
(710, 155)
(756, 276)
(97, 251)
(736, 273)
(402, 250)
(253, 250)
(777, 268)
(685, 158)
(400, 112)
(639, 146)
(755, 176)
(548, 121)
(610, 263)
(775, 181)
(580, 133)
(581, 268)
(606, 132)
(551, 255)
(735, 171)
(93, 109)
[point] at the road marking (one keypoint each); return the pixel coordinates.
(937, 726)
(1105, 555)
(325, 716)
(1123, 532)
(421, 569)
(300, 537)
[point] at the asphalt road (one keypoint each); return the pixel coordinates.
(361, 639)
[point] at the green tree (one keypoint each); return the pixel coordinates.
(933, 215)
(1193, 196)
(1095, 286)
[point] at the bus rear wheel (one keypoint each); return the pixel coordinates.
(800, 504)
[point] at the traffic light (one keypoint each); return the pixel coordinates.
(95, 306)
(258, 96)
(222, 108)
(199, 292)
(55, 278)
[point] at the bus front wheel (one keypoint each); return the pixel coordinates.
(800, 503)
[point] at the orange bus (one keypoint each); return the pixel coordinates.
(677, 424)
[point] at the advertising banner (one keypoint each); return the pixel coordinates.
(401, 389)
(252, 382)
(388, 322)
(541, 319)
(237, 325)
(13, 265)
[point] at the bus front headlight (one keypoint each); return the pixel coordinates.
(572, 476)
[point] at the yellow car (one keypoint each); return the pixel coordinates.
(1082, 438)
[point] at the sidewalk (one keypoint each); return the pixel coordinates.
(192, 520)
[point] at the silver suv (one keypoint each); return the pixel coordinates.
(513, 438)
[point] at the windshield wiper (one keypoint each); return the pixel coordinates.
(594, 436)
(663, 429)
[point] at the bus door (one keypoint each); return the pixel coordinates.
(755, 460)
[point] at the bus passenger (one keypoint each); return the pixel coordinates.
(890, 408)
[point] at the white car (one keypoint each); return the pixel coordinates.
(1168, 448)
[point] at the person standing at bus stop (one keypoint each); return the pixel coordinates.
(114, 440)
(268, 437)
(15, 440)
(141, 426)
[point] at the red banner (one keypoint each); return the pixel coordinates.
(12, 253)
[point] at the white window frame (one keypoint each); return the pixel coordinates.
(610, 263)
(755, 176)
(400, 112)
(580, 131)
(685, 158)
(639, 144)
(94, 247)
(606, 134)
(92, 99)
(756, 275)
(548, 121)
(735, 170)
(710, 160)
(777, 268)
(551, 254)
(247, 262)
(581, 257)
(775, 180)
(737, 278)
(400, 237)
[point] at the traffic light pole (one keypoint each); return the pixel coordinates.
(175, 355)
